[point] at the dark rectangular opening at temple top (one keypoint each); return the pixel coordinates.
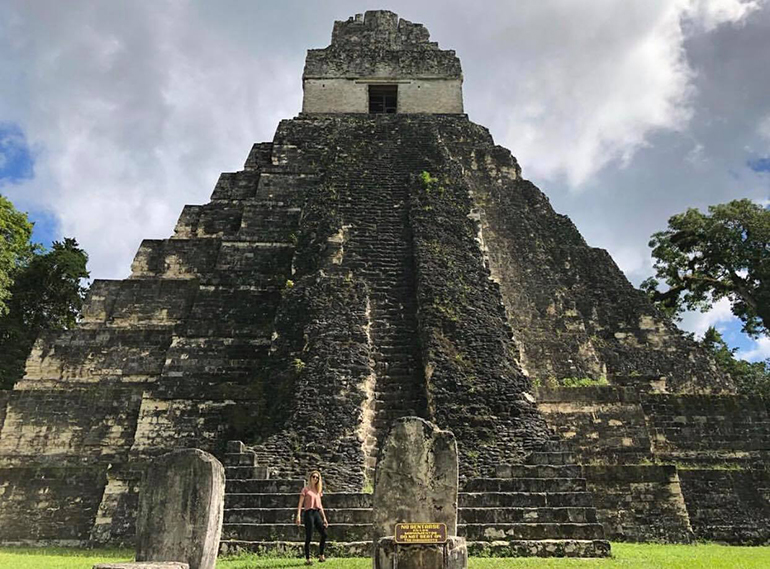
(383, 98)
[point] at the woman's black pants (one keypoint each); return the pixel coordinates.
(313, 518)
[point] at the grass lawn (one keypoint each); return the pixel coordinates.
(625, 556)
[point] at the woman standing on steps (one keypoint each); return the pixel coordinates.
(310, 502)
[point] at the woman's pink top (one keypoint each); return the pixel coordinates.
(312, 499)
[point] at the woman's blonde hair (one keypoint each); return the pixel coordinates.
(318, 487)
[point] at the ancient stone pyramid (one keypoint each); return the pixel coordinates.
(382, 257)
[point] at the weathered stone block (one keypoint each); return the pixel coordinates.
(175, 258)
(246, 262)
(639, 502)
(49, 503)
(708, 428)
(259, 156)
(215, 219)
(731, 506)
(139, 303)
(225, 359)
(604, 423)
(181, 509)
(69, 428)
(92, 356)
(166, 424)
(4, 397)
(115, 522)
(236, 186)
(269, 224)
(452, 555)
(278, 187)
(233, 312)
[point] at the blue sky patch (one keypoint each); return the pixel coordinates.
(46, 228)
(16, 162)
(759, 164)
(731, 332)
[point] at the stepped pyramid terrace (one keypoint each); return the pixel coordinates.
(382, 257)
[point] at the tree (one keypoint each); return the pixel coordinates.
(751, 378)
(723, 254)
(15, 247)
(46, 293)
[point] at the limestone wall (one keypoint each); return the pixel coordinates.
(96, 356)
(139, 304)
(4, 397)
(706, 429)
(55, 427)
(175, 258)
(55, 505)
(639, 502)
(665, 466)
(167, 424)
(351, 95)
(335, 96)
(728, 505)
(601, 424)
(115, 521)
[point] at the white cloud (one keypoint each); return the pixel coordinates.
(760, 351)
(711, 13)
(721, 318)
(137, 108)
(699, 322)
(763, 128)
(591, 83)
(633, 261)
(696, 156)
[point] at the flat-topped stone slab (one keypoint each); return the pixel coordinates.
(143, 565)
(181, 509)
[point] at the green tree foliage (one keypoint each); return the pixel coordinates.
(723, 254)
(42, 290)
(751, 378)
(15, 247)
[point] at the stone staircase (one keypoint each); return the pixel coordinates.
(379, 249)
(537, 509)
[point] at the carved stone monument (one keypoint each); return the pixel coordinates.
(181, 509)
(416, 483)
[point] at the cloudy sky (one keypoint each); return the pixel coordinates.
(114, 114)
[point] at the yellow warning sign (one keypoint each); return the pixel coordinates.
(421, 533)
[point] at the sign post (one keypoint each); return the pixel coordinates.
(420, 533)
